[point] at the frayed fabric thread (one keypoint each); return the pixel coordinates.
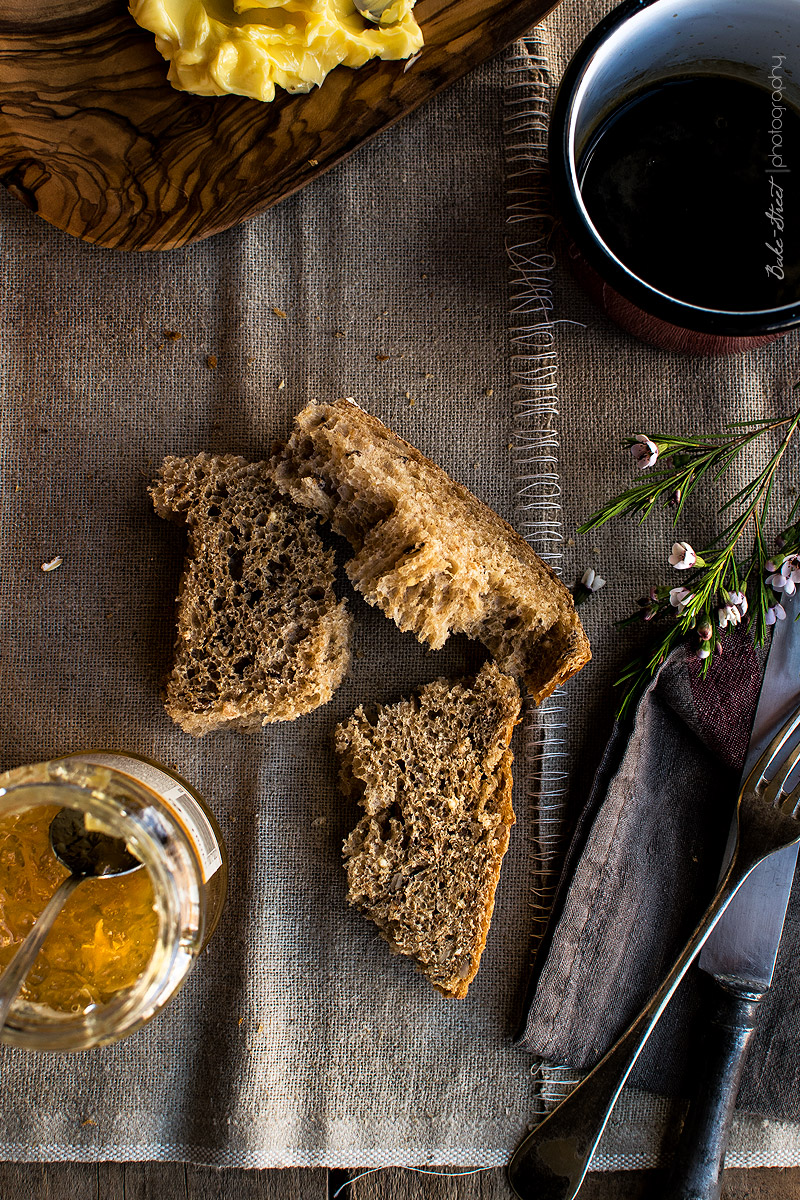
(415, 1170)
(536, 446)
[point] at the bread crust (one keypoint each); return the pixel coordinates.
(433, 775)
(261, 636)
(428, 553)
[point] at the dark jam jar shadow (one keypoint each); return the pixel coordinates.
(679, 184)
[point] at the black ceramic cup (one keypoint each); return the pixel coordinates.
(646, 42)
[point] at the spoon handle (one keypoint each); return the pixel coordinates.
(14, 975)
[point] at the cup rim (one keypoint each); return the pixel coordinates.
(588, 240)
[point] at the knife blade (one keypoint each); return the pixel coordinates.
(744, 943)
(740, 954)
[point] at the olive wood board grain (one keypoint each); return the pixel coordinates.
(94, 139)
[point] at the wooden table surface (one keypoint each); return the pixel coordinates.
(178, 1181)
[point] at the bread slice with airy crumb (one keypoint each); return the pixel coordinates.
(261, 634)
(433, 775)
(427, 552)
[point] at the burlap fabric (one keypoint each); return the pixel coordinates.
(298, 1039)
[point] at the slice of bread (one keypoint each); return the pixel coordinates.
(428, 553)
(261, 635)
(433, 775)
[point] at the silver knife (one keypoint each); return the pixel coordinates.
(740, 955)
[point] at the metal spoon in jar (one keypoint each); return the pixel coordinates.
(88, 854)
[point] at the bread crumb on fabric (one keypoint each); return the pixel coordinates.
(53, 564)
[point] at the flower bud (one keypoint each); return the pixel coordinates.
(644, 451)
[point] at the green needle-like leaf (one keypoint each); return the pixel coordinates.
(685, 465)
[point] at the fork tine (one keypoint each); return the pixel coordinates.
(758, 777)
(789, 805)
(775, 789)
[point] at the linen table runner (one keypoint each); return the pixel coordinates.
(298, 1039)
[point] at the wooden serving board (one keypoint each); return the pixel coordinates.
(94, 139)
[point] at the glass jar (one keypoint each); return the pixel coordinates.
(170, 829)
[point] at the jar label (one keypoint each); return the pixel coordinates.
(175, 796)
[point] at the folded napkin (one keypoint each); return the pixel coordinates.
(641, 868)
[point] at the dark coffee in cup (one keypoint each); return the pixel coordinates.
(678, 183)
(675, 153)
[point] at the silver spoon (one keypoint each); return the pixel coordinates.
(373, 10)
(87, 854)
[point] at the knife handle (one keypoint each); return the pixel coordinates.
(697, 1168)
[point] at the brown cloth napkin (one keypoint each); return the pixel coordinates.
(642, 866)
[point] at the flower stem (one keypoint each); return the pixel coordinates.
(713, 598)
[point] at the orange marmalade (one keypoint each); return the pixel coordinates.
(102, 940)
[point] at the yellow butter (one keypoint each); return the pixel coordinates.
(215, 47)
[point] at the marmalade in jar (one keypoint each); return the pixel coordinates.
(102, 940)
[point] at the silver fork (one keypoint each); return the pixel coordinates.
(551, 1162)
